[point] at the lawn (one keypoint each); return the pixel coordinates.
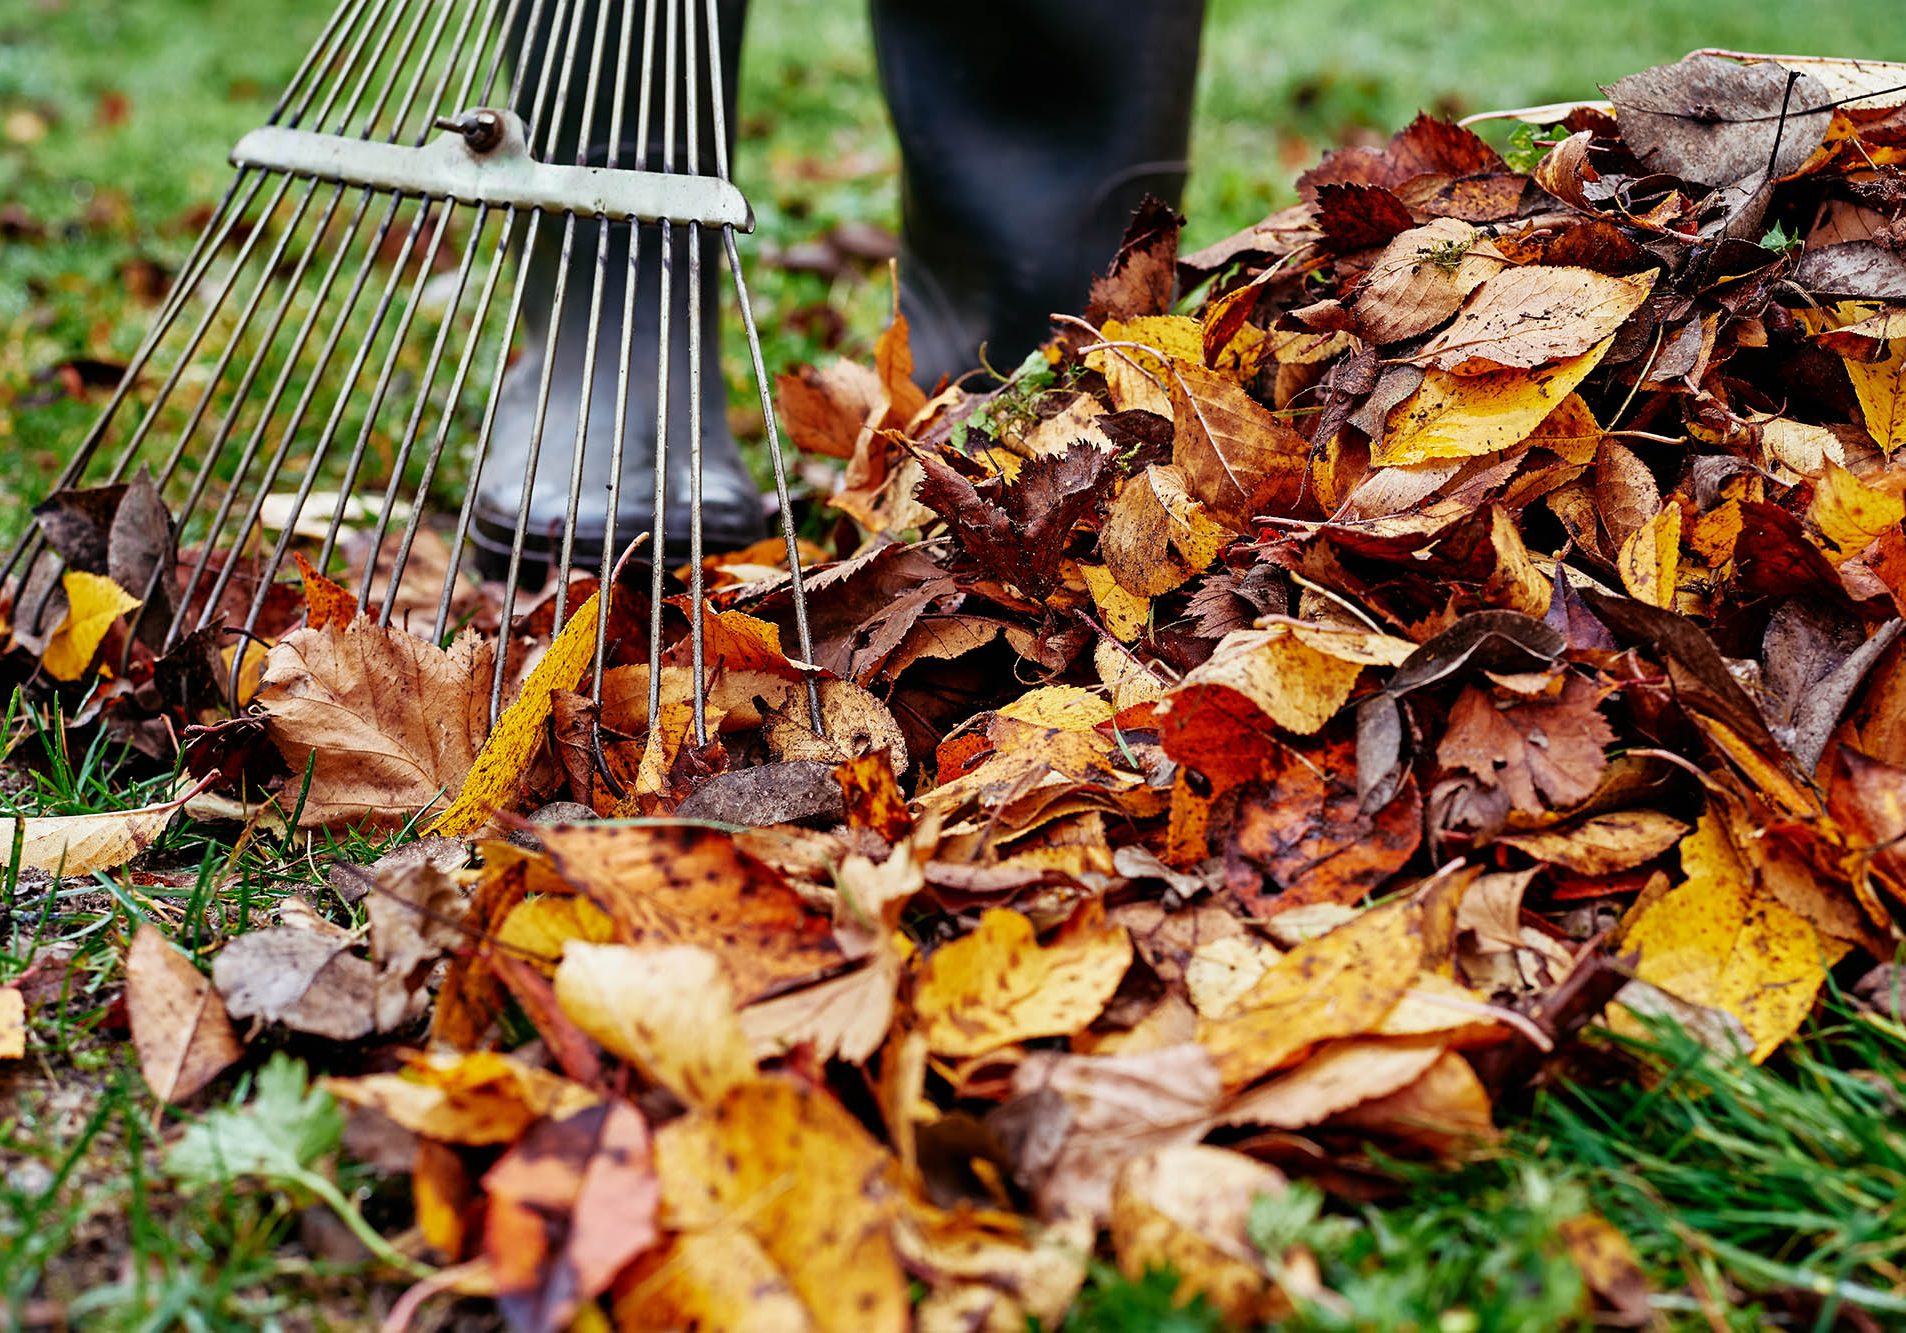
(115, 116)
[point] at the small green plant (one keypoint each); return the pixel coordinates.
(1446, 255)
(1781, 241)
(277, 1139)
(1529, 144)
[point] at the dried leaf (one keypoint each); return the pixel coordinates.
(387, 723)
(1465, 416)
(1187, 1209)
(999, 985)
(79, 845)
(668, 1010)
(1526, 317)
(179, 1027)
(93, 603)
(1238, 459)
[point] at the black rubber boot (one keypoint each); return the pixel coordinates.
(731, 505)
(1030, 130)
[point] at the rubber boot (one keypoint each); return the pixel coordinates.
(1030, 130)
(731, 505)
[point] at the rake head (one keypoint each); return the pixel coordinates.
(336, 341)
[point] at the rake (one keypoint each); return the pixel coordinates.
(292, 346)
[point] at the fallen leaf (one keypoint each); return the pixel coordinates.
(669, 1011)
(1464, 416)
(1116, 1107)
(789, 1167)
(1717, 940)
(1530, 316)
(685, 885)
(477, 1099)
(1601, 844)
(1849, 514)
(1187, 1209)
(93, 603)
(1540, 751)
(12, 1023)
(1238, 460)
(566, 1209)
(999, 985)
(179, 1027)
(1716, 121)
(1420, 280)
(386, 723)
(493, 775)
(1339, 1076)
(1651, 559)
(79, 845)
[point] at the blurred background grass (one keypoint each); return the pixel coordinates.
(116, 115)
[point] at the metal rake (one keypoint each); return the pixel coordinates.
(280, 319)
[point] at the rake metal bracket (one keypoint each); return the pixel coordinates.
(504, 174)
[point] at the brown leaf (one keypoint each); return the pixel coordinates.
(1543, 751)
(826, 411)
(179, 1027)
(388, 724)
(1142, 277)
(1716, 121)
(1525, 317)
(1237, 458)
(1116, 1107)
(1018, 530)
(568, 1207)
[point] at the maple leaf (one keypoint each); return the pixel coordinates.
(1017, 530)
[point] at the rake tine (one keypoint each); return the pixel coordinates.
(718, 101)
(659, 567)
(590, 90)
(628, 328)
(695, 599)
(546, 378)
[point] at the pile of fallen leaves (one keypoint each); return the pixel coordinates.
(1257, 738)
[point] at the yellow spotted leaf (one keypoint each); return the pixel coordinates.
(1064, 707)
(1651, 558)
(491, 783)
(785, 1164)
(93, 602)
(1878, 376)
(1124, 614)
(1465, 416)
(1849, 514)
(998, 985)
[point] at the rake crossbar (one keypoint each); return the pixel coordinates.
(451, 166)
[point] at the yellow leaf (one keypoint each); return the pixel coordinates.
(1877, 378)
(491, 783)
(1342, 1074)
(1340, 984)
(1064, 707)
(1465, 416)
(93, 602)
(1651, 558)
(482, 1098)
(1717, 940)
(1850, 514)
(82, 844)
(997, 985)
(787, 1165)
(668, 1010)
(1156, 534)
(1124, 613)
(1135, 376)
(12, 1023)
(539, 928)
(1297, 674)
